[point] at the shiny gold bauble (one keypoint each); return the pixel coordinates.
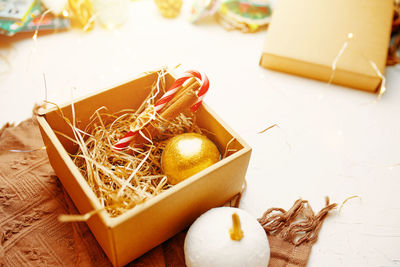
(187, 154)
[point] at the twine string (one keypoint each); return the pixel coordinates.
(336, 59)
(382, 87)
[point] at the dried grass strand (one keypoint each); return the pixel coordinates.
(345, 201)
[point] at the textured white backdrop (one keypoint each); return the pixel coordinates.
(331, 141)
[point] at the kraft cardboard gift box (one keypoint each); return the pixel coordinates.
(305, 37)
(131, 234)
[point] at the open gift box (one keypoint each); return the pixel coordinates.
(127, 236)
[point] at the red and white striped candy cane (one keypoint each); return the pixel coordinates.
(205, 84)
(160, 104)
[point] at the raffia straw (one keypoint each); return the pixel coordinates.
(123, 179)
(347, 199)
(382, 87)
(336, 59)
(121, 190)
(34, 37)
(227, 150)
(268, 128)
(27, 151)
(78, 217)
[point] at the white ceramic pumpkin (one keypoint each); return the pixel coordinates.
(208, 242)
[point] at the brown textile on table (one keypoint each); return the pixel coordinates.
(170, 253)
(31, 199)
(292, 233)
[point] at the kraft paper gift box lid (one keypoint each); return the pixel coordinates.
(305, 38)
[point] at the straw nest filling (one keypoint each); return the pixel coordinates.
(123, 179)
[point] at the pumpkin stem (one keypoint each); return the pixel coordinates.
(236, 232)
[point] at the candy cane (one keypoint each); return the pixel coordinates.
(205, 84)
(160, 104)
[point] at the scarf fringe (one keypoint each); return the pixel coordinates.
(298, 225)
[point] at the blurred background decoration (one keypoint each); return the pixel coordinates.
(52, 16)
(244, 15)
(32, 15)
(37, 15)
(169, 8)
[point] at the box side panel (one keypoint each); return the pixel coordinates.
(321, 73)
(76, 192)
(217, 131)
(161, 220)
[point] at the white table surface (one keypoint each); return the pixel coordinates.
(331, 141)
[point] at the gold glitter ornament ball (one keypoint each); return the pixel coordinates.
(187, 154)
